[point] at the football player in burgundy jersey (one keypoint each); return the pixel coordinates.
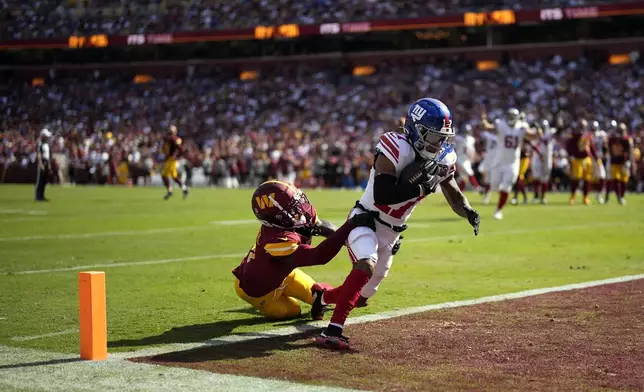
(269, 277)
(620, 151)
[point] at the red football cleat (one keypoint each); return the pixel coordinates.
(332, 342)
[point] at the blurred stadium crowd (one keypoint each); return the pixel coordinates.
(316, 125)
(53, 18)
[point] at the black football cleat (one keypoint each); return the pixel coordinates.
(317, 309)
(167, 196)
(362, 302)
(185, 193)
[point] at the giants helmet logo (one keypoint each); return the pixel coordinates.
(417, 113)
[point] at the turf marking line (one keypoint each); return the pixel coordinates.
(235, 255)
(128, 264)
(122, 233)
(234, 222)
(29, 369)
(45, 335)
(118, 374)
(513, 232)
(316, 325)
(10, 211)
(101, 234)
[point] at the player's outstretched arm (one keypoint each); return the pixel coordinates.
(486, 123)
(324, 228)
(386, 190)
(459, 203)
(307, 255)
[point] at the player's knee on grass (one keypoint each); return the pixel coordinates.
(366, 265)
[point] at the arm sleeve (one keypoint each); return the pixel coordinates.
(387, 192)
(307, 255)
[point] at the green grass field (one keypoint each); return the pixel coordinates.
(185, 292)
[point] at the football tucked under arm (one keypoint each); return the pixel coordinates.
(387, 189)
(423, 173)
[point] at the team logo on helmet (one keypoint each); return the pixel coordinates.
(278, 204)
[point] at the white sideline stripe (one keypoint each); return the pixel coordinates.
(21, 219)
(101, 234)
(46, 371)
(125, 233)
(242, 254)
(45, 335)
(518, 231)
(129, 264)
(28, 212)
(119, 374)
(234, 222)
(168, 348)
(10, 211)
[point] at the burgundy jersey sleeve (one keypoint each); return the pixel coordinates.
(281, 243)
(263, 269)
(307, 255)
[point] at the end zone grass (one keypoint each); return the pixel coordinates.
(191, 300)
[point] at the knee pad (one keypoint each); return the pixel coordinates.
(366, 265)
(362, 243)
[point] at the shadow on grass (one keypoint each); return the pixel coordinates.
(256, 348)
(40, 363)
(202, 332)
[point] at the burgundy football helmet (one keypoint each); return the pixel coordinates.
(282, 205)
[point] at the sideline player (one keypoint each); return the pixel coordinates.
(511, 133)
(43, 158)
(427, 138)
(600, 141)
(525, 159)
(485, 167)
(620, 149)
(268, 277)
(464, 145)
(580, 148)
(542, 163)
(172, 149)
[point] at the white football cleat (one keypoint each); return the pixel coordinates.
(622, 201)
(498, 215)
(600, 199)
(486, 198)
(544, 201)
